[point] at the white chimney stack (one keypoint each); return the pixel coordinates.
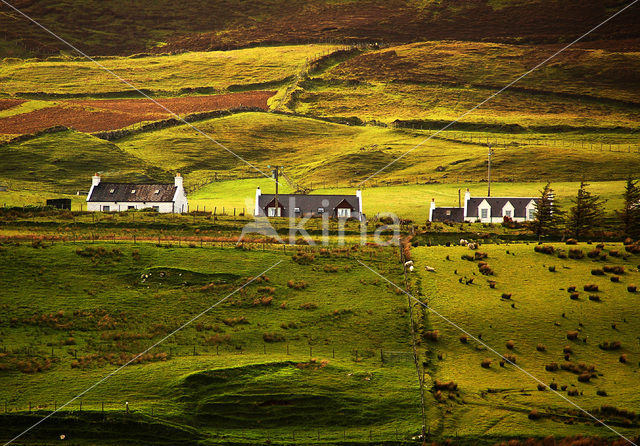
(432, 208)
(95, 179)
(178, 181)
(359, 195)
(256, 211)
(467, 197)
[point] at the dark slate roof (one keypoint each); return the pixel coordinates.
(311, 203)
(122, 192)
(497, 203)
(448, 214)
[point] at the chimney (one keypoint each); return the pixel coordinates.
(95, 179)
(178, 181)
(359, 196)
(467, 197)
(432, 208)
(256, 211)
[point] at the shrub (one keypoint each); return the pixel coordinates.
(506, 296)
(567, 349)
(486, 363)
(615, 279)
(464, 339)
(303, 258)
(615, 269)
(308, 306)
(510, 358)
(623, 358)
(574, 296)
(610, 345)
(562, 254)
(597, 272)
(534, 415)
(553, 386)
(573, 392)
(571, 241)
(541, 347)
(442, 385)
(601, 392)
(542, 387)
(591, 287)
(584, 377)
(632, 288)
(432, 335)
(544, 249)
(492, 284)
(571, 289)
(552, 269)
(572, 335)
(551, 367)
(273, 337)
(594, 297)
(297, 285)
(576, 253)
(633, 249)
(594, 253)
(510, 344)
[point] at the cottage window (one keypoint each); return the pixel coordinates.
(507, 213)
(344, 212)
(157, 191)
(484, 213)
(296, 210)
(532, 214)
(111, 191)
(448, 212)
(271, 212)
(320, 210)
(131, 207)
(133, 191)
(106, 208)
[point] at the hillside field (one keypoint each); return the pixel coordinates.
(536, 317)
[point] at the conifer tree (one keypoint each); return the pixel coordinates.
(586, 213)
(630, 212)
(548, 215)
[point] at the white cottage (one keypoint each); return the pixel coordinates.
(486, 209)
(110, 197)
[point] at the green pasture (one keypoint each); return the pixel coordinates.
(497, 400)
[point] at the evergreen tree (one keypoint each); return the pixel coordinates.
(630, 213)
(548, 215)
(586, 213)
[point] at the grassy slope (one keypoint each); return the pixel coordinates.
(442, 80)
(62, 161)
(216, 69)
(196, 391)
(540, 298)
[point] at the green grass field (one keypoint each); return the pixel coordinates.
(497, 400)
(217, 70)
(281, 358)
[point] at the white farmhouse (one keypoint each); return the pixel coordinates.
(486, 209)
(110, 197)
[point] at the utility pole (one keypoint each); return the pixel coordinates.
(489, 172)
(275, 176)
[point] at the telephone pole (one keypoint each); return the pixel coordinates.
(276, 170)
(489, 172)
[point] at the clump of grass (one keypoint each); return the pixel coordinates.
(567, 350)
(597, 272)
(610, 345)
(542, 387)
(233, 321)
(485, 269)
(534, 415)
(571, 241)
(615, 279)
(551, 367)
(267, 289)
(632, 288)
(486, 363)
(300, 285)
(591, 287)
(553, 386)
(574, 296)
(264, 301)
(464, 339)
(479, 255)
(544, 249)
(614, 269)
(510, 344)
(572, 335)
(445, 385)
(571, 289)
(614, 253)
(594, 297)
(541, 348)
(506, 296)
(432, 335)
(308, 306)
(217, 339)
(511, 358)
(573, 392)
(552, 269)
(273, 337)
(623, 358)
(303, 258)
(600, 392)
(594, 253)
(330, 269)
(288, 325)
(584, 377)
(576, 253)
(467, 257)
(492, 284)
